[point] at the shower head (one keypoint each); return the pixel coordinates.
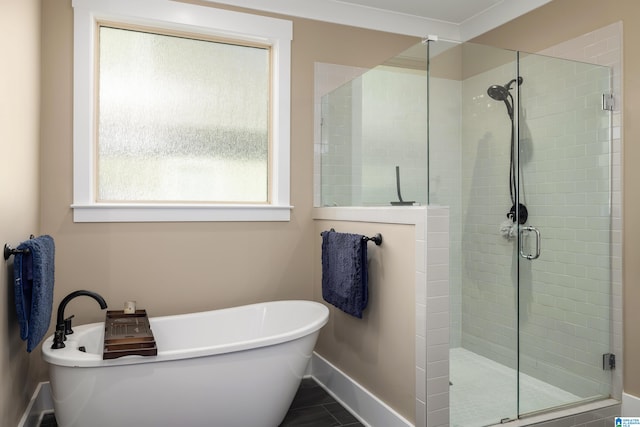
(499, 93)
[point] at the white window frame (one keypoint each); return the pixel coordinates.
(173, 15)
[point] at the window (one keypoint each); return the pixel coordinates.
(181, 113)
(181, 119)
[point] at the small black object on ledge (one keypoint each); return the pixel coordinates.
(377, 238)
(400, 202)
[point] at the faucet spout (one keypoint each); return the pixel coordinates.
(62, 327)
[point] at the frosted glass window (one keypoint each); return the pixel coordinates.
(181, 119)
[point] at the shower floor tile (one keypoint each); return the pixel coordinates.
(483, 391)
(311, 407)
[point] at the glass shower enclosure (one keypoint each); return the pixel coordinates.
(518, 146)
(373, 147)
(522, 144)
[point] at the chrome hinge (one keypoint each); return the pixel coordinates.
(608, 361)
(607, 102)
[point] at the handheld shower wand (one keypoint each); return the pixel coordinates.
(518, 212)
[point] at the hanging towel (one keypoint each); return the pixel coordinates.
(33, 285)
(344, 271)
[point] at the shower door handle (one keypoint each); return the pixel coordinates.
(529, 229)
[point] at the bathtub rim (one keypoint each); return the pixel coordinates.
(70, 356)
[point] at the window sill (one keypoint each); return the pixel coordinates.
(118, 212)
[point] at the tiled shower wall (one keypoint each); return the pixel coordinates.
(444, 186)
(330, 78)
(339, 182)
(394, 113)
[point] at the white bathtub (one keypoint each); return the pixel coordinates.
(239, 366)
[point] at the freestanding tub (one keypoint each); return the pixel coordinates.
(239, 366)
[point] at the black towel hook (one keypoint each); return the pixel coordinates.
(377, 238)
(8, 250)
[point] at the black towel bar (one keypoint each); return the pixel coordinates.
(8, 250)
(377, 238)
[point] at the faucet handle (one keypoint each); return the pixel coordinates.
(58, 339)
(67, 325)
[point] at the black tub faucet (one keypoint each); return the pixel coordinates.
(63, 326)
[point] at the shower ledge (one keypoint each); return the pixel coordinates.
(381, 214)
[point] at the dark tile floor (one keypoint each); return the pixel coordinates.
(312, 407)
(48, 420)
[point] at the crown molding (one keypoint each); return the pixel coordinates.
(353, 15)
(383, 20)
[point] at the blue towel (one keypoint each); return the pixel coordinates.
(344, 271)
(33, 286)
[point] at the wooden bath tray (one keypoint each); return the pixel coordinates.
(128, 334)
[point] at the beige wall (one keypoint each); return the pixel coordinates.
(561, 20)
(182, 267)
(19, 112)
(377, 351)
(179, 267)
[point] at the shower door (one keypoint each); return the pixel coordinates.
(519, 149)
(564, 272)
